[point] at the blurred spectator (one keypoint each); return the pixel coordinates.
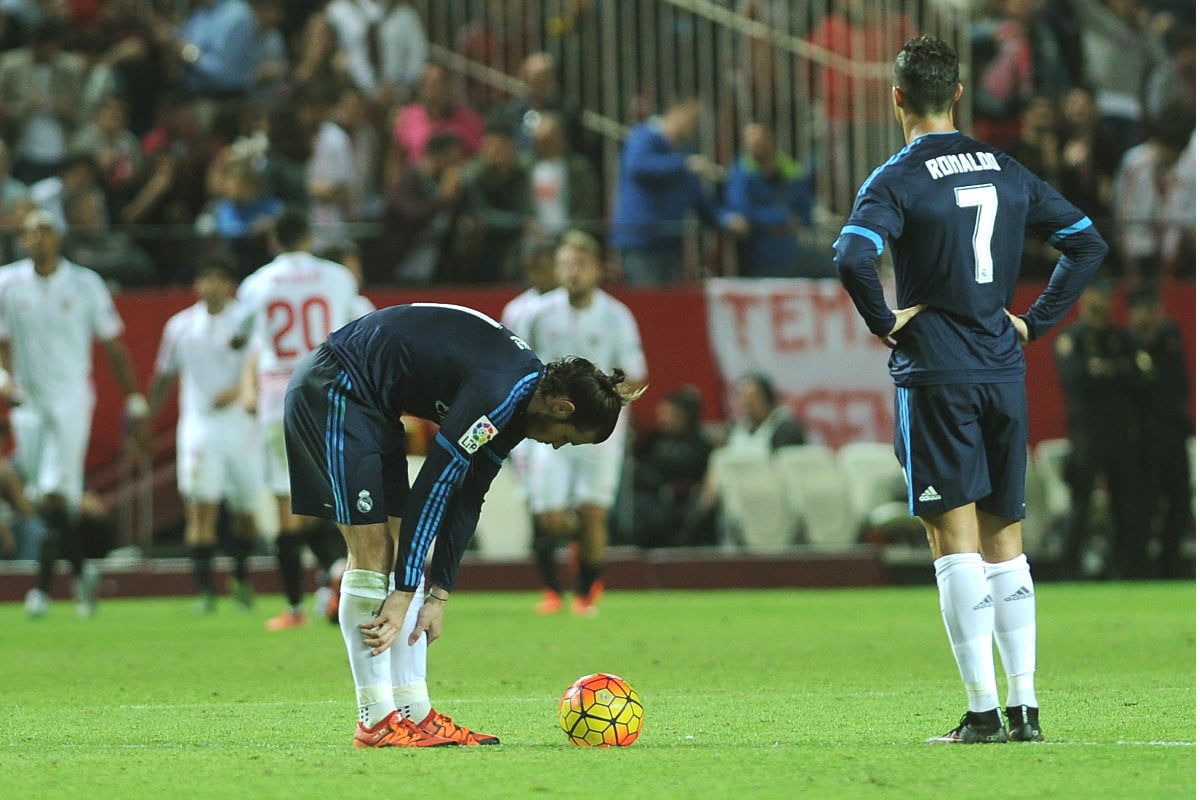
(497, 35)
(1096, 364)
(331, 169)
(421, 213)
(353, 114)
(136, 60)
(271, 64)
(1120, 50)
(41, 93)
(564, 187)
(1015, 56)
(775, 195)
(1155, 199)
(215, 45)
(658, 189)
(244, 209)
(90, 242)
(21, 530)
(761, 425)
(859, 119)
(14, 204)
(1173, 83)
(499, 206)
(290, 135)
(381, 46)
(107, 140)
(1038, 146)
(76, 173)
(669, 464)
(543, 95)
(1090, 156)
(1167, 419)
(437, 109)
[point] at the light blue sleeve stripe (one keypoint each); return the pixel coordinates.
(503, 412)
(868, 234)
(1058, 236)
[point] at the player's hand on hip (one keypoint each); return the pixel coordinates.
(379, 633)
(903, 316)
(429, 621)
(1020, 325)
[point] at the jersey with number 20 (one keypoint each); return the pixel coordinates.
(955, 212)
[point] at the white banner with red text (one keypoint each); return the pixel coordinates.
(806, 336)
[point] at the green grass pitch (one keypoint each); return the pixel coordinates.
(815, 694)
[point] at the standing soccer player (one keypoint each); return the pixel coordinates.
(346, 446)
(292, 303)
(51, 311)
(956, 212)
(572, 491)
(215, 435)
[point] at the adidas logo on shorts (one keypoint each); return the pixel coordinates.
(929, 495)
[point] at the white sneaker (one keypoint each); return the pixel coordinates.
(86, 586)
(37, 603)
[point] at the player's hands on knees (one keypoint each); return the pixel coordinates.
(379, 633)
(903, 316)
(429, 621)
(1019, 324)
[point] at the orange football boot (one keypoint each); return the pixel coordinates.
(396, 730)
(442, 726)
(288, 619)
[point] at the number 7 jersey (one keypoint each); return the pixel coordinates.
(955, 212)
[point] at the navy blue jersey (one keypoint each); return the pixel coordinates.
(465, 371)
(955, 212)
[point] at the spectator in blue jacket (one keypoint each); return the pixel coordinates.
(775, 195)
(658, 189)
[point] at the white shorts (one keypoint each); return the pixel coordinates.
(274, 460)
(574, 475)
(51, 447)
(217, 458)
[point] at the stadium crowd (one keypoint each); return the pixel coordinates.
(156, 133)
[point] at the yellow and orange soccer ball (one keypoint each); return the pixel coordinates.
(600, 710)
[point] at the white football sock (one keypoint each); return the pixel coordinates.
(1011, 586)
(409, 690)
(969, 617)
(362, 593)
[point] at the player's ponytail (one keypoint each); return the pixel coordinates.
(598, 396)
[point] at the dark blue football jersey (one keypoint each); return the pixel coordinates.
(955, 212)
(471, 375)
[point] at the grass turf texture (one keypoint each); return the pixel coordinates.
(823, 694)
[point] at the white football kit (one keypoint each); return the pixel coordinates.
(51, 323)
(292, 303)
(606, 334)
(216, 450)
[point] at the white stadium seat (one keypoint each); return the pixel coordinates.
(752, 498)
(817, 494)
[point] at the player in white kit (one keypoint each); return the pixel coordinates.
(291, 304)
(51, 311)
(572, 490)
(216, 459)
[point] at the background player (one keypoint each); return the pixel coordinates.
(955, 211)
(292, 304)
(215, 458)
(346, 446)
(571, 491)
(51, 310)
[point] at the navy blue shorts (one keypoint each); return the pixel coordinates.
(964, 443)
(346, 460)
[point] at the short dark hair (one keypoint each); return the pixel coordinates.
(292, 228)
(765, 385)
(216, 262)
(598, 396)
(926, 70)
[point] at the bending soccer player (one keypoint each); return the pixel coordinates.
(956, 213)
(345, 447)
